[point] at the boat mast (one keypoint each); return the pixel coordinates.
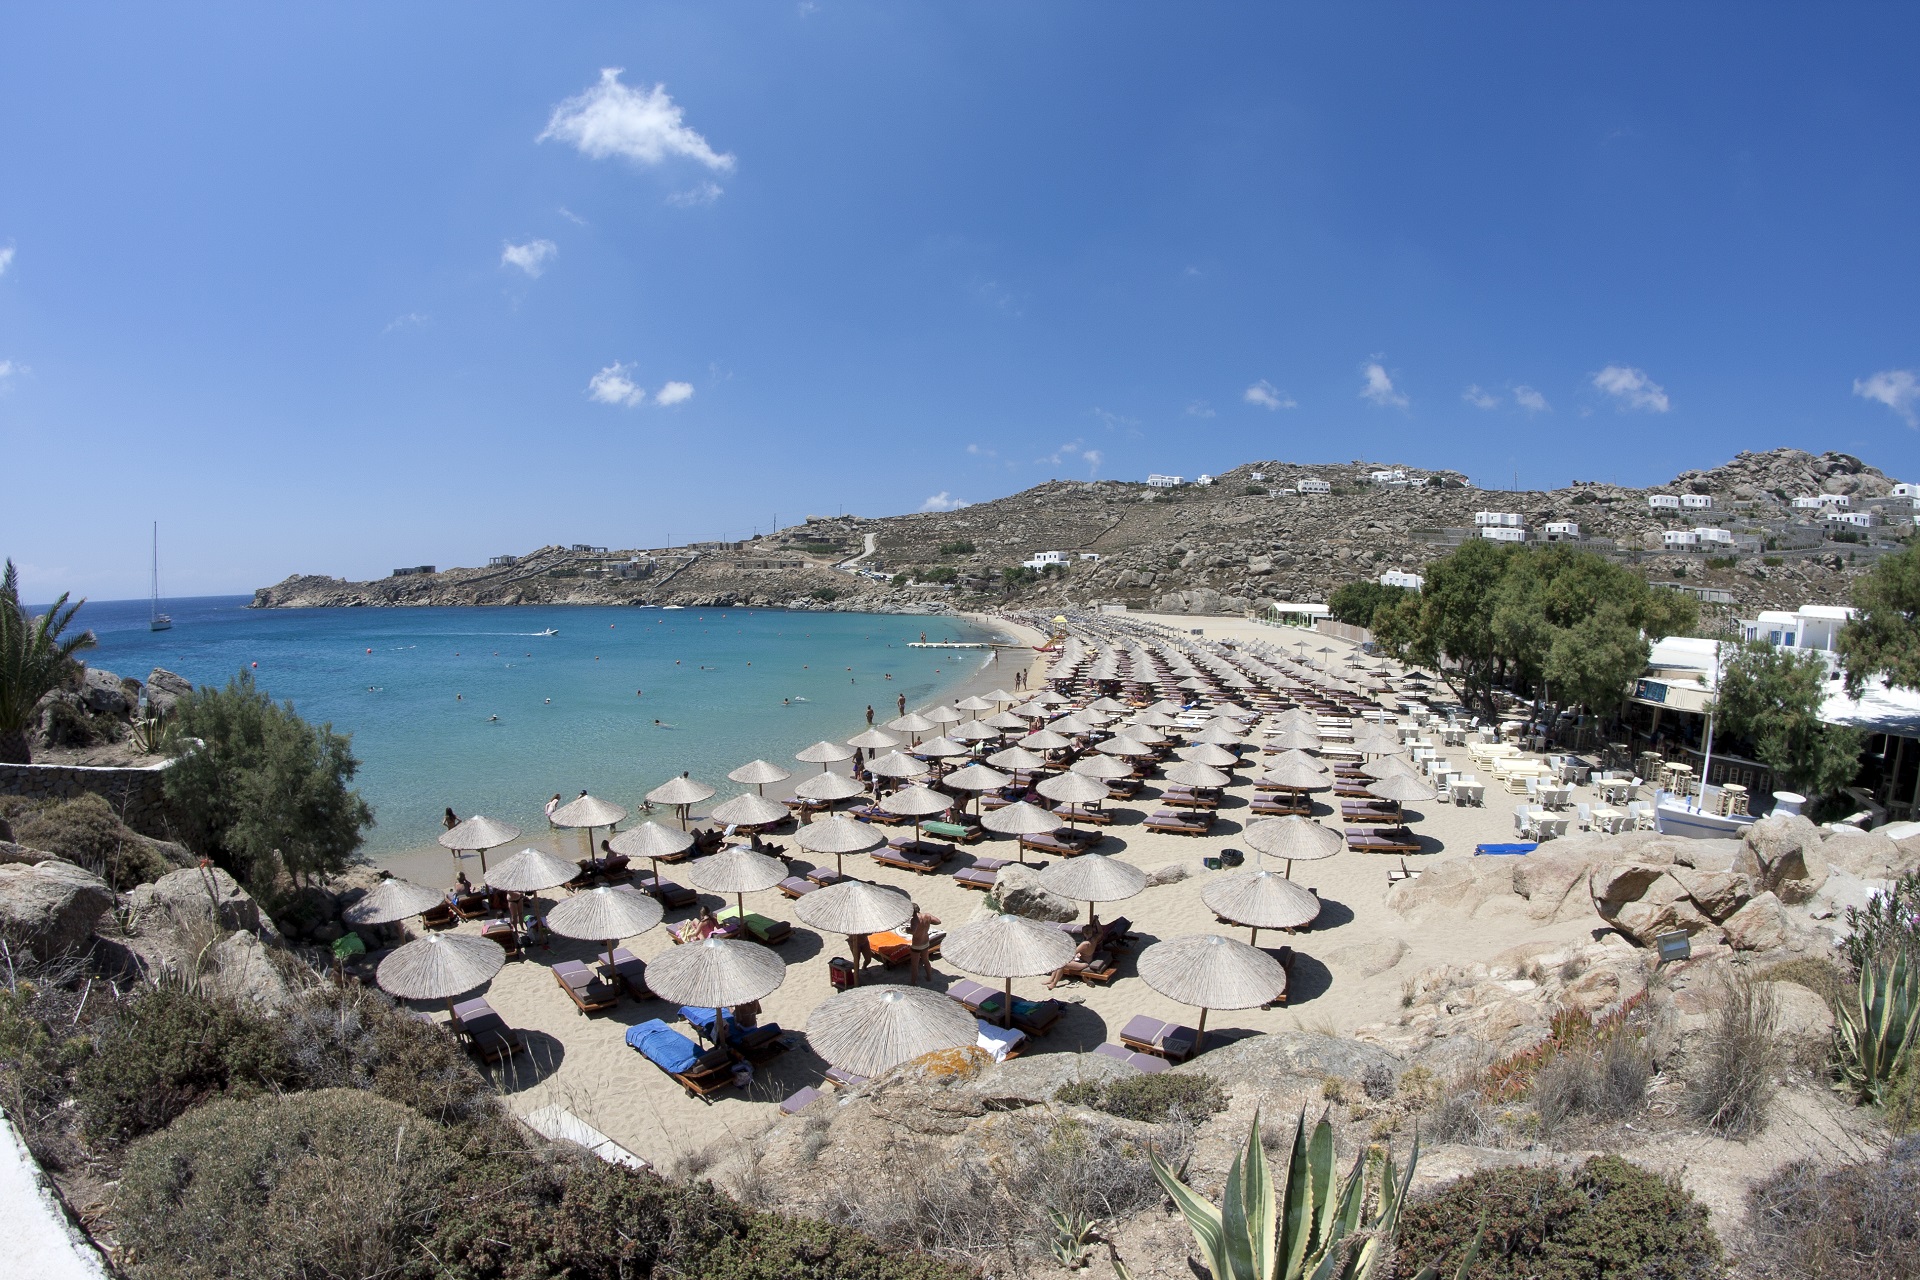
(154, 611)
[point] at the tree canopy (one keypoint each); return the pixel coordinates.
(1357, 602)
(36, 657)
(1505, 614)
(1771, 697)
(1884, 640)
(251, 778)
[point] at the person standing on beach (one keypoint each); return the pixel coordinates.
(551, 806)
(902, 703)
(451, 820)
(869, 715)
(862, 947)
(921, 944)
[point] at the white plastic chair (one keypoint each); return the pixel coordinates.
(1584, 813)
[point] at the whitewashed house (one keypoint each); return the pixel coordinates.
(1314, 486)
(1165, 482)
(1498, 533)
(1663, 501)
(1562, 531)
(1905, 490)
(1696, 502)
(1398, 578)
(1496, 519)
(1203, 478)
(1041, 559)
(1680, 539)
(1858, 519)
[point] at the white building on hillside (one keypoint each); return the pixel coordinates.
(1314, 486)
(1562, 531)
(1165, 482)
(1389, 476)
(1396, 578)
(1663, 501)
(1496, 519)
(1811, 626)
(1041, 559)
(1904, 490)
(1696, 501)
(1858, 519)
(1496, 533)
(1723, 537)
(1680, 539)
(1838, 500)
(1203, 478)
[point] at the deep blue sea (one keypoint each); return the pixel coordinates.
(420, 690)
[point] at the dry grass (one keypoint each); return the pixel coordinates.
(1733, 1083)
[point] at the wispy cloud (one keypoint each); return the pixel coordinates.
(612, 386)
(943, 501)
(1898, 389)
(695, 196)
(411, 320)
(981, 451)
(6, 370)
(571, 216)
(1071, 451)
(6, 259)
(1267, 396)
(1480, 398)
(674, 393)
(1530, 400)
(1200, 409)
(1378, 386)
(1114, 421)
(531, 257)
(1632, 389)
(642, 125)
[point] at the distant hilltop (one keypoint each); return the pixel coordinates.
(1766, 530)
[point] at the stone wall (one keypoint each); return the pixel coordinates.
(136, 794)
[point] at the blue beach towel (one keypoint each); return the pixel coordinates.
(1504, 848)
(702, 1021)
(663, 1046)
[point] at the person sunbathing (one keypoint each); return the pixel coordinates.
(701, 927)
(1082, 957)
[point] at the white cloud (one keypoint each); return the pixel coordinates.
(943, 501)
(1267, 396)
(1481, 399)
(641, 125)
(1898, 389)
(6, 368)
(1530, 400)
(1632, 388)
(6, 259)
(1093, 458)
(572, 217)
(981, 451)
(1379, 387)
(531, 257)
(411, 320)
(693, 198)
(1200, 409)
(612, 386)
(1072, 450)
(674, 393)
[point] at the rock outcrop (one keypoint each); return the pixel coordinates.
(49, 908)
(1020, 893)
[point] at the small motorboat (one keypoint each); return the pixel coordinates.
(550, 631)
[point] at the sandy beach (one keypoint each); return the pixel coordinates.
(1350, 971)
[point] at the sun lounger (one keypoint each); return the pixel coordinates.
(975, 878)
(794, 1102)
(700, 1074)
(825, 876)
(756, 1043)
(1404, 872)
(800, 804)
(1188, 798)
(1180, 824)
(503, 932)
(796, 886)
(959, 833)
(1146, 1063)
(1084, 813)
(473, 906)
(1001, 1042)
(1266, 808)
(485, 1031)
(845, 1079)
(669, 894)
(587, 989)
(761, 929)
(1035, 1017)
(1381, 844)
(911, 859)
(1150, 1035)
(630, 972)
(893, 949)
(440, 917)
(879, 817)
(1055, 842)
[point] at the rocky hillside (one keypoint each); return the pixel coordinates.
(1248, 538)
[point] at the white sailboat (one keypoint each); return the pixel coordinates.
(159, 621)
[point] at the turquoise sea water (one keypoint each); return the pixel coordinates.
(417, 689)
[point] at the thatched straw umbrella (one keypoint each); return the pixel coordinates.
(912, 724)
(653, 842)
(746, 810)
(976, 778)
(478, 834)
(976, 704)
(1219, 735)
(867, 1030)
(1389, 767)
(607, 913)
(1017, 758)
(823, 753)
(838, 835)
(440, 966)
(1375, 741)
(717, 974)
(1188, 774)
(1005, 722)
(586, 812)
(758, 773)
(873, 740)
(1294, 740)
(1072, 789)
(1402, 789)
(1009, 947)
(916, 802)
(973, 731)
(944, 715)
(1293, 838)
(895, 764)
(1045, 740)
(830, 787)
(531, 871)
(392, 900)
(1121, 745)
(739, 871)
(1260, 900)
(1106, 768)
(855, 907)
(1211, 972)
(682, 793)
(1295, 776)
(1022, 819)
(1208, 753)
(1094, 878)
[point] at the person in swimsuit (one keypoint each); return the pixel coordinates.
(861, 945)
(451, 820)
(919, 937)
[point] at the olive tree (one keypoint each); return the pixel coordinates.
(1771, 698)
(1885, 639)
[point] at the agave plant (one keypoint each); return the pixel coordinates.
(1250, 1236)
(1876, 1032)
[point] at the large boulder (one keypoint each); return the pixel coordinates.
(1783, 853)
(1020, 893)
(164, 689)
(105, 693)
(1367, 959)
(241, 970)
(1717, 893)
(1868, 854)
(49, 908)
(1272, 1060)
(200, 891)
(1762, 925)
(1619, 883)
(20, 853)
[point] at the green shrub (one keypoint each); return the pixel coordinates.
(959, 547)
(1610, 1220)
(1773, 562)
(1154, 1099)
(163, 1051)
(828, 594)
(1889, 922)
(353, 1038)
(330, 1183)
(66, 723)
(1721, 562)
(1821, 976)
(86, 831)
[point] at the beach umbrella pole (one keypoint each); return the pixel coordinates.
(1006, 1014)
(1200, 1036)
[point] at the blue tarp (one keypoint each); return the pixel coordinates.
(663, 1046)
(1505, 848)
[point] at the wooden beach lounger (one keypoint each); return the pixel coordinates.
(975, 878)
(761, 929)
(440, 917)
(756, 1044)
(587, 989)
(629, 972)
(1188, 798)
(1054, 843)
(794, 1102)
(912, 859)
(1281, 809)
(1197, 824)
(700, 1074)
(796, 886)
(1145, 1063)
(1381, 844)
(825, 876)
(670, 894)
(1084, 813)
(893, 949)
(879, 817)
(485, 1031)
(959, 833)
(1150, 1035)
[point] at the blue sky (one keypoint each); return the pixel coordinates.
(340, 288)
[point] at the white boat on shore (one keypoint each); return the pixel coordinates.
(1675, 815)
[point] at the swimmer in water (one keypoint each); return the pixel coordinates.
(493, 719)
